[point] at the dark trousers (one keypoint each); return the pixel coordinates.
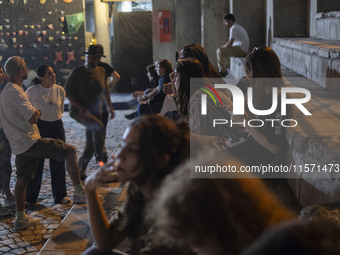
(48, 129)
(95, 144)
(143, 109)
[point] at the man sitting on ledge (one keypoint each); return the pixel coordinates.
(237, 45)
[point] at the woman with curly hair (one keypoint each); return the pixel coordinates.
(152, 146)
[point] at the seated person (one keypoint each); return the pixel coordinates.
(153, 101)
(153, 79)
(152, 146)
(218, 216)
(237, 45)
(298, 238)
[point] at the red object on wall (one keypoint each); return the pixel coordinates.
(164, 18)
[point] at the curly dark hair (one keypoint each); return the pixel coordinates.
(159, 135)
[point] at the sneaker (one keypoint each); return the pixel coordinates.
(223, 74)
(130, 116)
(4, 211)
(9, 201)
(25, 223)
(65, 201)
(79, 197)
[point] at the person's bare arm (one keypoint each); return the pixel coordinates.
(35, 117)
(82, 109)
(148, 96)
(108, 103)
(105, 235)
(229, 43)
(115, 79)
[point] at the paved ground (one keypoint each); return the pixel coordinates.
(31, 240)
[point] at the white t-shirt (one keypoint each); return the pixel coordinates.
(15, 111)
(240, 36)
(50, 101)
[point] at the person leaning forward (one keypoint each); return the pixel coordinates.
(237, 45)
(18, 119)
(87, 90)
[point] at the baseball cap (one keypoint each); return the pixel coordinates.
(95, 49)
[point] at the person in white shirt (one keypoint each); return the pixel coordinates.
(237, 45)
(49, 98)
(18, 119)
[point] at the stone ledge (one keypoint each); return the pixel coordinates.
(315, 59)
(328, 25)
(237, 67)
(315, 140)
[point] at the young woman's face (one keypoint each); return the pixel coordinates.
(49, 77)
(129, 167)
(176, 81)
(149, 76)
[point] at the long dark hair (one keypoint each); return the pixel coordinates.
(196, 51)
(152, 71)
(265, 66)
(159, 135)
(186, 68)
(41, 72)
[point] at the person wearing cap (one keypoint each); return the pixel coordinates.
(87, 90)
(109, 72)
(18, 119)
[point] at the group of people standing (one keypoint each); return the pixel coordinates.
(32, 123)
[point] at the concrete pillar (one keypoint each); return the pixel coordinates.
(269, 23)
(188, 27)
(89, 14)
(291, 18)
(252, 18)
(214, 34)
(312, 19)
(102, 25)
(163, 49)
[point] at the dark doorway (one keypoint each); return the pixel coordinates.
(133, 49)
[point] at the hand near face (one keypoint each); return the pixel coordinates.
(101, 177)
(167, 89)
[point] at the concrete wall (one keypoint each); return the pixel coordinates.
(214, 34)
(291, 18)
(252, 18)
(163, 49)
(328, 5)
(188, 27)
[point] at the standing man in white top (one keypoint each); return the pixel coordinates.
(237, 45)
(18, 118)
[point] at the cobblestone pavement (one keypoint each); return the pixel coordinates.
(31, 240)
